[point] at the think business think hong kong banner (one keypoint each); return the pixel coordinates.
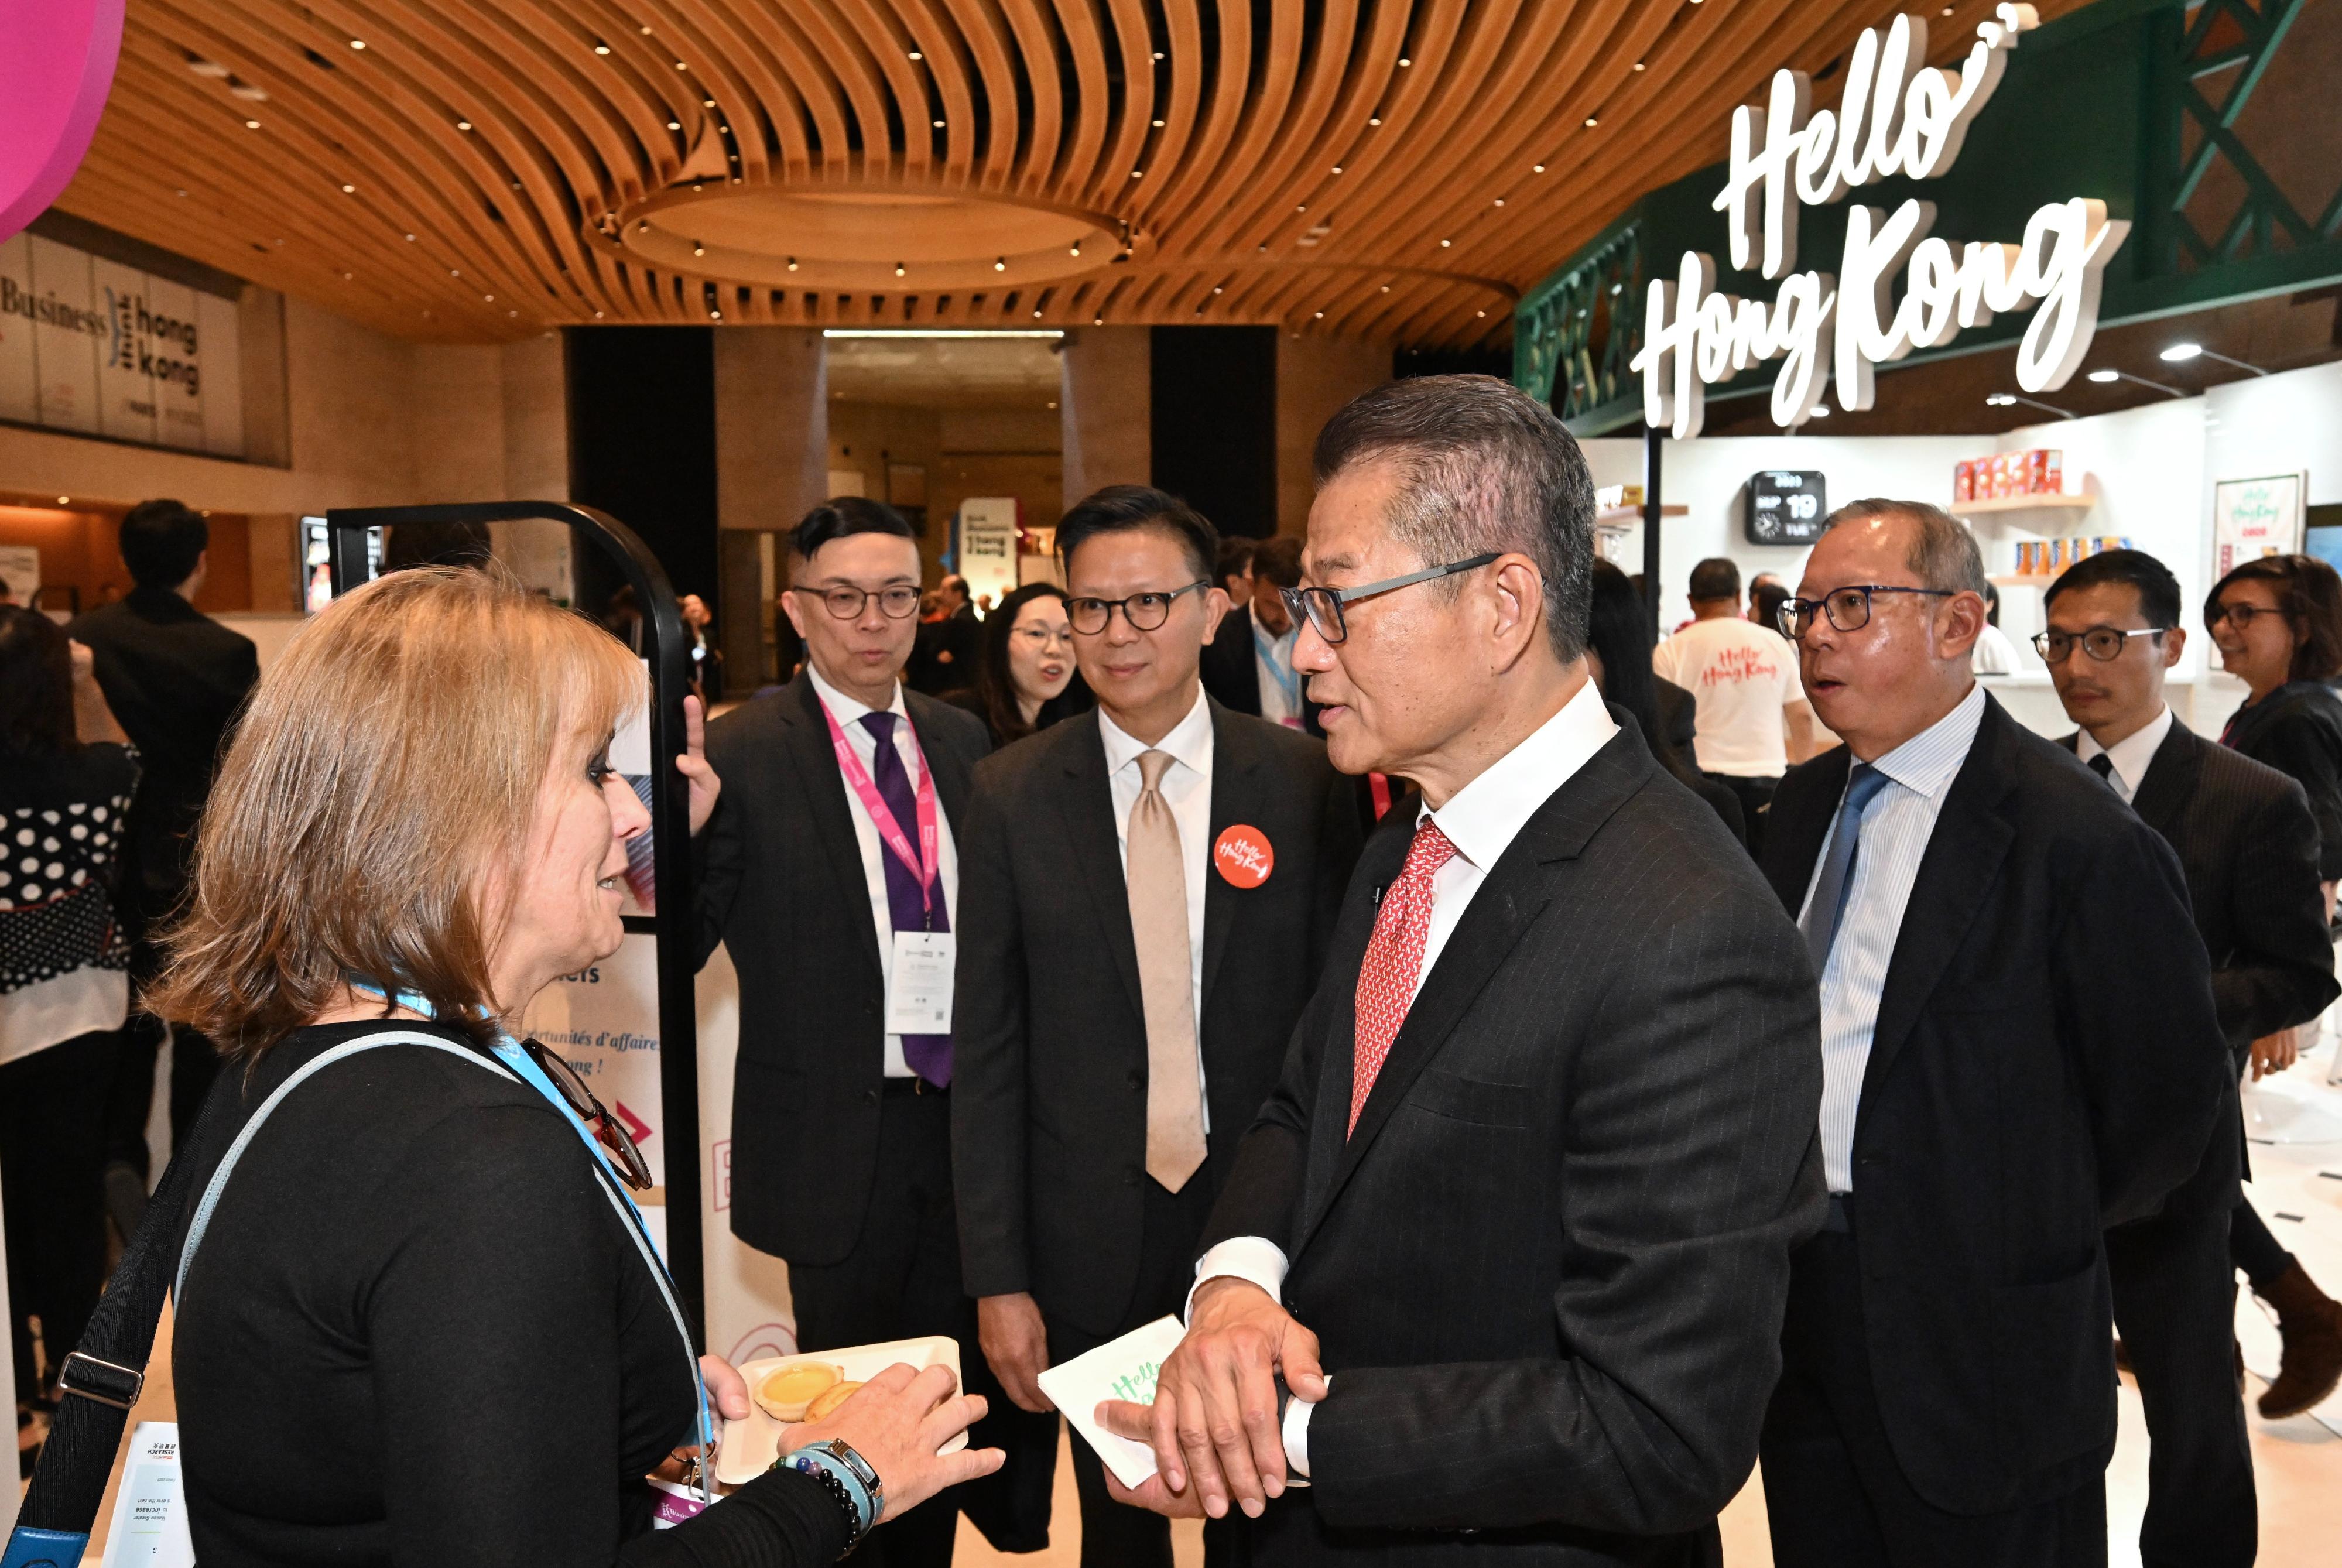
(1899, 117)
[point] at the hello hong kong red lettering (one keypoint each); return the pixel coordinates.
(1734, 666)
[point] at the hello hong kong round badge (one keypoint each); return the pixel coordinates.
(1244, 856)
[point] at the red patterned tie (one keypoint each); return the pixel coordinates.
(1394, 959)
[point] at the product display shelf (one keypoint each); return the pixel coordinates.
(1624, 517)
(2029, 503)
(2020, 579)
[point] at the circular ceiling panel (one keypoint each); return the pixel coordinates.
(864, 239)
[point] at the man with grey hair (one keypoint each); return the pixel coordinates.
(2019, 1048)
(1543, 1141)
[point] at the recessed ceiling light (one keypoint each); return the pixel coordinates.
(1158, 53)
(349, 190)
(598, 316)
(1405, 61)
(1445, 244)
(251, 124)
(489, 298)
(1386, 288)
(466, 125)
(1037, 315)
(707, 102)
(410, 239)
(1591, 122)
(1500, 200)
(1638, 65)
(647, 32)
(681, 66)
(1095, 320)
(939, 124)
(1137, 173)
(64, 500)
(1374, 119)
(601, 48)
(1158, 125)
(1482, 314)
(357, 43)
(916, 55)
(183, 192)
(1301, 207)
(1337, 168)
(1215, 288)
(715, 315)
(1536, 168)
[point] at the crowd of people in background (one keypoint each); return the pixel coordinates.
(1546, 1066)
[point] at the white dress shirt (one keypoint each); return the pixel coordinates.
(1895, 831)
(1280, 684)
(848, 714)
(1481, 820)
(1188, 790)
(2131, 756)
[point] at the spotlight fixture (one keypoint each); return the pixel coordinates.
(251, 124)
(466, 125)
(793, 264)
(357, 43)
(2108, 375)
(700, 250)
(1000, 264)
(1638, 65)
(1445, 244)
(1077, 247)
(2181, 353)
(1536, 168)
(898, 269)
(349, 190)
(1374, 119)
(916, 55)
(2009, 399)
(1404, 62)
(938, 124)
(671, 125)
(600, 47)
(1591, 122)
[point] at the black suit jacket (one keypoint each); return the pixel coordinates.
(2046, 1062)
(1233, 677)
(1546, 1271)
(2248, 847)
(176, 679)
(2297, 729)
(1049, 1097)
(781, 885)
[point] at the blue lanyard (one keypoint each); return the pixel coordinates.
(1288, 678)
(509, 1052)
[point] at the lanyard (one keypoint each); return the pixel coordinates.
(922, 864)
(518, 1063)
(1288, 678)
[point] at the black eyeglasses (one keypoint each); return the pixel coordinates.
(846, 603)
(1848, 608)
(2240, 614)
(2104, 643)
(633, 1169)
(1144, 612)
(1323, 607)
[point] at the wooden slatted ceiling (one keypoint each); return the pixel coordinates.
(1362, 167)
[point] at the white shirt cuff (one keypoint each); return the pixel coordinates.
(1255, 1259)
(1297, 1434)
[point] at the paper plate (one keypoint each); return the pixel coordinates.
(747, 1448)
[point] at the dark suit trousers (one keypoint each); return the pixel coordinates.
(2175, 1302)
(1835, 1494)
(1115, 1535)
(901, 1281)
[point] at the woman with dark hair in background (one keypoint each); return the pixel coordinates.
(2277, 621)
(1618, 644)
(1025, 674)
(65, 979)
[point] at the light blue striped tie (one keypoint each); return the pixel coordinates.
(1822, 915)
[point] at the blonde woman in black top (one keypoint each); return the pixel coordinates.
(419, 1328)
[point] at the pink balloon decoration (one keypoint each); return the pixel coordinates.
(55, 74)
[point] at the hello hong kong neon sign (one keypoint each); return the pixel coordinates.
(1899, 117)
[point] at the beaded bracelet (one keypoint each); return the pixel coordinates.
(849, 1478)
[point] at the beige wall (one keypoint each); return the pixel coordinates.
(772, 426)
(1315, 377)
(1108, 409)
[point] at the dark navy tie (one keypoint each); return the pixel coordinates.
(2104, 767)
(1836, 880)
(928, 1055)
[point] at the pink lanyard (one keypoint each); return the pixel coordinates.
(922, 864)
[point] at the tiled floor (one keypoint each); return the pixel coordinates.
(2298, 1464)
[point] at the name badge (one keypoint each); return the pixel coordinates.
(919, 986)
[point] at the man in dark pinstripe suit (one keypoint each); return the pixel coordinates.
(1513, 1228)
(2248, 847)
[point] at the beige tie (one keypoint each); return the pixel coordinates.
(1156, 877)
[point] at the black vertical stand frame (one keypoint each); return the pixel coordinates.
(669, 653)
(1652, 437)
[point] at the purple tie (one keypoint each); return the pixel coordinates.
(928, 1055)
